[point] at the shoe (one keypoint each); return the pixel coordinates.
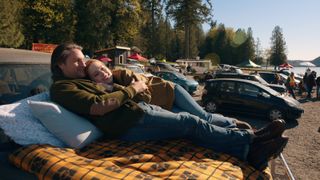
(242, 125)
(262, 152)
(272, 130)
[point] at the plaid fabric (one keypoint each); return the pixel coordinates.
(113, 159)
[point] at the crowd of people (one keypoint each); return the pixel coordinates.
(307, 85)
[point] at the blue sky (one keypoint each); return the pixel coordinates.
(298, 19)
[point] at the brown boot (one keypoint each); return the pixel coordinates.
(272, 130)
(260, 153)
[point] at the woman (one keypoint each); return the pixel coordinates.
(160, 92)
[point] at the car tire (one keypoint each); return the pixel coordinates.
(275, 114)
(211, 107)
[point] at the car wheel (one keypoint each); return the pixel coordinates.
(211, 107)
(275, 114)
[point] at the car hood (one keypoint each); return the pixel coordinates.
(191, 82)
(291, 100)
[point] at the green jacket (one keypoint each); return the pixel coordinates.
(78, 95)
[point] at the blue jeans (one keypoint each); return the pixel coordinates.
(184, 102)
(159, 124)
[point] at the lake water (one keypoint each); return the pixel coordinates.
(301, 70)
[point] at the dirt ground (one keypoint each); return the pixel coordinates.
(302, 153)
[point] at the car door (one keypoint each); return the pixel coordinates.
(228, 100)
(253, 99)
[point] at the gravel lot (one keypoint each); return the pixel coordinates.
(302, 152)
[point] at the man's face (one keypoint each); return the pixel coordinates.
(74, 65)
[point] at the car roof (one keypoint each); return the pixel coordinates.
(167, 71)
(235, 74)
(20, 56)
(128, 65)
(236, 80)
(267, 72)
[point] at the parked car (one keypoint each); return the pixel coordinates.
(248, 97)
(287, 73)
(134, 68)
(166, 67)
(280, 88)
(190, 85)
(222, 68)
(270, 77)
(23, 73)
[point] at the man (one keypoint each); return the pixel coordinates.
(119, 117)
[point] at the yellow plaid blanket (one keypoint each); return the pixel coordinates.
(113, 159)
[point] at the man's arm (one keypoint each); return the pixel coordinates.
(89, 99)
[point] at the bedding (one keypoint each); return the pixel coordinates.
(115, 159)
(19, 124)
(75, 131)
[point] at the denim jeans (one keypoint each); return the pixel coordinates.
(184, 102)
(159, 124)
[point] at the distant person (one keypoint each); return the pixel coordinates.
(318, 86)
(277, 79)
(291, 84)
(189, 68)
(310, 83)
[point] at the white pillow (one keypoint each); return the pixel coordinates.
(18, 123)
(73, 130)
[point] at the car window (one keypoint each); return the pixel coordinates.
(261, 80)
(171, 76)
(248, 89)
(20, 81)
(227, 87)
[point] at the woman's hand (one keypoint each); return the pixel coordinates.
(139, 86)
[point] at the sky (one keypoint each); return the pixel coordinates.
(298, 19)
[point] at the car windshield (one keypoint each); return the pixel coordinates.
(261, 80)
(18, 81)
(135, 69)
(270, 90)
(180, 76)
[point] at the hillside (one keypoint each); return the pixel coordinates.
(297, 63)
(316, 61)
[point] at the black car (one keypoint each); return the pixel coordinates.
(252, 77)
(240, 96)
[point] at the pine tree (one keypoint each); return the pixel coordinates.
(48, 21)
(188, 14)
(278, 47)
(10, 28)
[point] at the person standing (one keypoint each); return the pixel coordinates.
(291, 84)
(311, 82)
(318, 86)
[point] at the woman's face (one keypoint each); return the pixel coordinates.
(99, 73)
(74, 65)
